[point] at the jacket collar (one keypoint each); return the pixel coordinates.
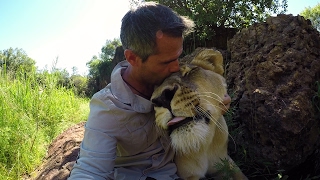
(123, 93)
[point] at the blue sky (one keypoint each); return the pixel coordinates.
(72, 30)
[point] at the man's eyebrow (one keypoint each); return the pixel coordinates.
(171, 60)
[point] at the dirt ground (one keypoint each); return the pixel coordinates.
(62, 154)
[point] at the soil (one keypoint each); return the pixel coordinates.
(272, 77)
(62, 154)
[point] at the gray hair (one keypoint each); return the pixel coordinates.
(139, 27)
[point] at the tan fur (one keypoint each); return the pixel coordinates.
(196, 91)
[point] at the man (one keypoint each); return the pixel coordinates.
(120, 140)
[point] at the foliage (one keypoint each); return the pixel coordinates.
(100, 68)
(79, 84)
(108, 50)
(98, 71)
(227, 168)
(15, 60)
(237, 13)
(313, 14)
(213, 16)
(32, 113)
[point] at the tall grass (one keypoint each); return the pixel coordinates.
(32, 114)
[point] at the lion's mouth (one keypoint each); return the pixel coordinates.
(177, 122)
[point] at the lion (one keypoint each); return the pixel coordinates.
(187, 109)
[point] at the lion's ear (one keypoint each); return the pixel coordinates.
(209, 59)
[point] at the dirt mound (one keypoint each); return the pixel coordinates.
(272, 77)
(62, 154)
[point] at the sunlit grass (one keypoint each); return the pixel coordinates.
(32, 114)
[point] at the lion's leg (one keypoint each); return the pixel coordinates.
(191, 168)
(221, 165)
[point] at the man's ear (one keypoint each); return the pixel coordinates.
(132, 58)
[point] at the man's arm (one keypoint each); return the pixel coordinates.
(98, 148)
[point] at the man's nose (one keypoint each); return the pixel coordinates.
(174, 66)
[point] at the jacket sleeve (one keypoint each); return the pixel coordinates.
(98, 148)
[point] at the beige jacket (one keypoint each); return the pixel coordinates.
(120, 140)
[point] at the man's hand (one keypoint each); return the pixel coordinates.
(225, 105)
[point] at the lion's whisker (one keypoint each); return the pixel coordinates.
(212, 93)
(208, 114)
(217, 106)
(225, 130)
(202, 110)
(215, 97)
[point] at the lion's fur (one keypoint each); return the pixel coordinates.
(196, 91)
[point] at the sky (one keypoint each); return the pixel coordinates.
(70, 31)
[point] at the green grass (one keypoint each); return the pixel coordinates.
(32, 114)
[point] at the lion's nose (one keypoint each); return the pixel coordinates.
(165, 98)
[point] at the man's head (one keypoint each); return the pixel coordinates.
(142, 26)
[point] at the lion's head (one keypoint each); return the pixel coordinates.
(187, 102)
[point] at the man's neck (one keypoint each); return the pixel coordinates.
(136, 86)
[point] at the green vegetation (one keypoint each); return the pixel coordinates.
(215, 16)
(313, 13)
(227, 168)
(15, 60)
(34, 109)
(216, 13)
(100, 68)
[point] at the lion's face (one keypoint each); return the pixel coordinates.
(187, 102)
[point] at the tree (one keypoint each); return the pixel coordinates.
(227, 13)
(313, 14)
(211, 16)
(74, 70)
(16, 60)
(79, 85)
(108, 50)
(100, 68)
(62, 77)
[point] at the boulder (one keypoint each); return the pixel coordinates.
(274, 80)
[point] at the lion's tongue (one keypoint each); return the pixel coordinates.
(175, 120)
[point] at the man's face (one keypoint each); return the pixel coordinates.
(165, 62)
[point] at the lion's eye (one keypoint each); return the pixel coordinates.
(185, 70)
(165, 98)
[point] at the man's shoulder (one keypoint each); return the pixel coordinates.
(103, 93)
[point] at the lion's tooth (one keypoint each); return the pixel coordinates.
(175, 120)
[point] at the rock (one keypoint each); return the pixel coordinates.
(272, 78)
